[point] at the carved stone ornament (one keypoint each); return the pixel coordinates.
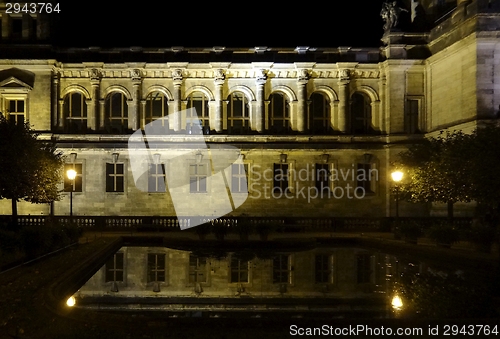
(344, 74)
(177, 74)
(95, 74)
(219, 74)
(135, 74)
(261, 75)
(303, 74)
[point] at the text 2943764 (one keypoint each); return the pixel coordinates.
(32, 7)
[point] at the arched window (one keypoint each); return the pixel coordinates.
(361, 114)
(199, 101)
(279, 113)
(319, 114)
(75, 113)
(156, 108)
(116, 113)
(237, 113)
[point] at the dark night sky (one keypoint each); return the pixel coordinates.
(236, 24)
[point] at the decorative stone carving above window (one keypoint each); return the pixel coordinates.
(135, 74)
(303, 74)
(177, 74)
(94, 74)
(219, 74)
(261, 74)
(345, 74)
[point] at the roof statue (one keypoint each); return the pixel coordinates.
(390, 14)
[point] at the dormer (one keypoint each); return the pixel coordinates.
(15, 87)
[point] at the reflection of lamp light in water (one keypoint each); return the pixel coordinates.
(397, 303)
(71, 301)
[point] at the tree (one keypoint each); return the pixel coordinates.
(439, 170)
(455, 167)
(30, 169)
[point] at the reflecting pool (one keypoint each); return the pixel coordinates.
(266, 279)
(263, 279)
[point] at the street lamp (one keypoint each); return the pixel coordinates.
(397, 303)
(71, 176)
(396, 177)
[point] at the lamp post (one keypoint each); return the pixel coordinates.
(396, 177)
(71, 176)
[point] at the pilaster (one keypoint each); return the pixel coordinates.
(54, 97)
(303, 78)
(218, 109)
(134, 109)
(177, 80)
(260, 113)
(344, 80)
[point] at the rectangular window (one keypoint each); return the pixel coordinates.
(114, 268)
(156, 179)
(281, 178)
(239, 182)
(239, 271)
(17, 28)
(323, 268)
(114, 177)
(197, 269)
(282, 269)
(364, 271)
(75, 185)
(411, 118)
(198, 178)
(156, 267)
(364, 177)
(322, 177)
(33, 29)
(16, 111)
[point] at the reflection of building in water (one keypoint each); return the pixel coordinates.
(321, 272)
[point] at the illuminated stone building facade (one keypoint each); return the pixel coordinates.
(303, 110)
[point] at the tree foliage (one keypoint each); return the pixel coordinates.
(30, 169)
(454, 167)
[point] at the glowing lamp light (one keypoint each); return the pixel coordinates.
(71, 301)
(71, 174)
(397, 176)
(397, 303)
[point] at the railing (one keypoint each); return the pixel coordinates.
(173, 223)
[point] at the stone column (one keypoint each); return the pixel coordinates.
(102, 122)
(302, 99)
(55, 96)
(93, 112)
(177, 79)
(219, 82)
(61, 113)
(260, 112)
(343, 111)
(134, 109)
(142, 120)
